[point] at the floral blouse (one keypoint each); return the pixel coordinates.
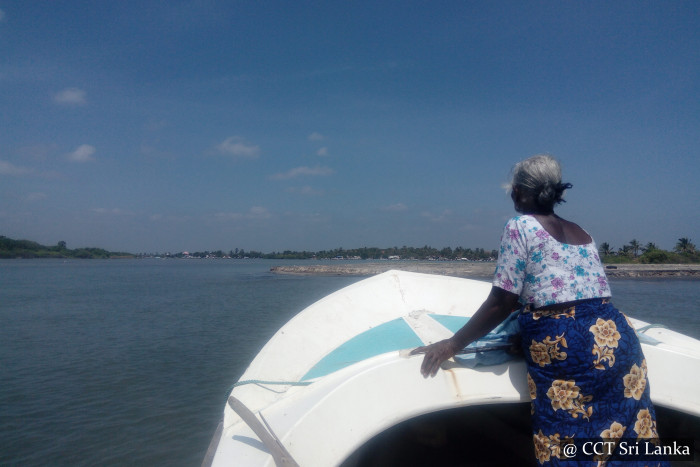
(543, 271)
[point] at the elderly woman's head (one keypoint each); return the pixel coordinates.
(536, 183)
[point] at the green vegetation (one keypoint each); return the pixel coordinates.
(685, 252)
(424, 253)
(10, 248)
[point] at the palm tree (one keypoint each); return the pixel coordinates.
(605, 249)
(651, 246)
(635, 246)
(626, 250)
(684, 245)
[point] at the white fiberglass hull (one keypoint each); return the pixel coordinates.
(348, 347)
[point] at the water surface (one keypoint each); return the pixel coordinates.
(130, 361)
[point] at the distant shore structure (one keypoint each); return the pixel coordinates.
(478, 270)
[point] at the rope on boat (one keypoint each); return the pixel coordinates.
(260, 381)
(644, 338)
(650, 326)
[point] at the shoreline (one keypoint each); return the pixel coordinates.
(480, 270)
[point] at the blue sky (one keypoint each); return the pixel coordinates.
(203, 125)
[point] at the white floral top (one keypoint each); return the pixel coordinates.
(534, 265)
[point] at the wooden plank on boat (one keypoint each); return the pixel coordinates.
(277, 450)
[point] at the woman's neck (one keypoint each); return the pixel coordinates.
(536, 211)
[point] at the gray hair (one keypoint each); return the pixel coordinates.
(540, 176)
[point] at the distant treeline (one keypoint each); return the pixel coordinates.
(404, 252)
(634, 252)
(685, 251)
(10, 248)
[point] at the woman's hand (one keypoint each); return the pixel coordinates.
(435, 354)
(495, 309)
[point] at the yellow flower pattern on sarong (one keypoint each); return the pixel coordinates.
(606, 336)
(615, 431)
(542, 444)
(645, 426)
(612, 434)
(554, 313)
(635, 381)
(543, 352)
(548, 447)
(565, 395)
(531, 387)
(605, 333)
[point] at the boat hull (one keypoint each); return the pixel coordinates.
(337, 375)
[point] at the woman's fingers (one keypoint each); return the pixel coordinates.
(418, 350)
(430, 366)
(435, 354)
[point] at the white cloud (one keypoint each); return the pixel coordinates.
(8, 168)
(70, 96)
(301, 171)
(84, 153)
(398, 207)
(259, 212)
(236, 146)
(322, 152)
(37, 196)
(255, 212)
(316, 136)
(113, 211)
(440, 217)
(305, 190)
(168, 218)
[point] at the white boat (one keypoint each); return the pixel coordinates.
(335, 386)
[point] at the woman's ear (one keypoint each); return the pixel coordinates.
(516, 195)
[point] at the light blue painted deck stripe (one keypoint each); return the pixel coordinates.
(389, 336)
(453, 323)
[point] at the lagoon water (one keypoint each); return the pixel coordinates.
(130, 361)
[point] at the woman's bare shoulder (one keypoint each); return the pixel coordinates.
(564, 231)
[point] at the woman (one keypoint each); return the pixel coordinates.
(586, 370)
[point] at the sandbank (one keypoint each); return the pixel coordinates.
(476, 270)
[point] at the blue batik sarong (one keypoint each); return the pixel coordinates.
(587, 378)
